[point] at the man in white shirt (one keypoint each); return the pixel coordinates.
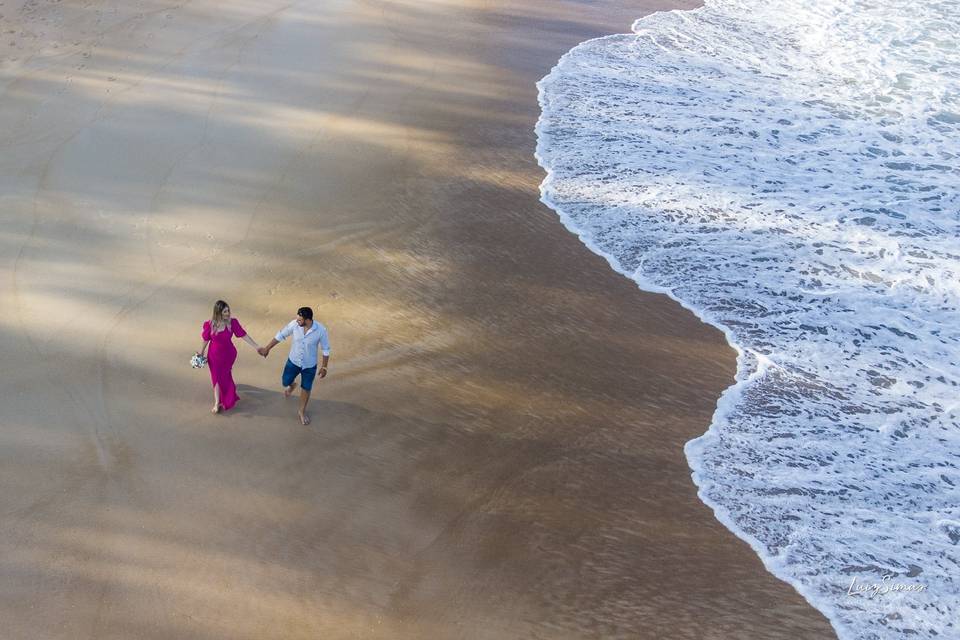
(308, 336)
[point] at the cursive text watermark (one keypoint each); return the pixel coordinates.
(886, 585)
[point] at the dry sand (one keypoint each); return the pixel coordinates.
(497, 452)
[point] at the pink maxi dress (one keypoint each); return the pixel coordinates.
(220, 358)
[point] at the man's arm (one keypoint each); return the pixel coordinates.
(322, 371)
(266, 349)
(282, 335)
(325, 345)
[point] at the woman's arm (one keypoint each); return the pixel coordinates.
(249, 341)
(205, 336)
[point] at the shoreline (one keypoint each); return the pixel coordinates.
(647, 286)
(497, 451)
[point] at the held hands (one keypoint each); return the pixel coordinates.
(263, 351)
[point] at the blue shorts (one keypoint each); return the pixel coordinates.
(291, 371)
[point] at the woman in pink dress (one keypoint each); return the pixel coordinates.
(218, 333)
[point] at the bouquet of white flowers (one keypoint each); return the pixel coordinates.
(198, 361)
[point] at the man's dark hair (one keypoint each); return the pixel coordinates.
(305, 312)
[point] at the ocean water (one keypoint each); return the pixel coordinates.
(789, 171)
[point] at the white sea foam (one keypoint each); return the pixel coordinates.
(789, 171)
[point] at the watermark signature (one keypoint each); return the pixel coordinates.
(884, 586)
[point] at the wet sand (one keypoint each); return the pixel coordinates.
(497, 452)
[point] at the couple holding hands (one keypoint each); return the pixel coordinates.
(308, 336)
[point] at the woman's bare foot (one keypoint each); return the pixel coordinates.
(304, 419)
(216, 409)
(288, 390)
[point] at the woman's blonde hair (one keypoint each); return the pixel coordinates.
(217, 319)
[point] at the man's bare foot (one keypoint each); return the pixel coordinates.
(304, 419)
(288, 390)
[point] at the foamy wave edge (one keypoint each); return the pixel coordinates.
(732, 394)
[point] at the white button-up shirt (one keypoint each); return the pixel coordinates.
(303, 350)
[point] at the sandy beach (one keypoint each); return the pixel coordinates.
(497, 451)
